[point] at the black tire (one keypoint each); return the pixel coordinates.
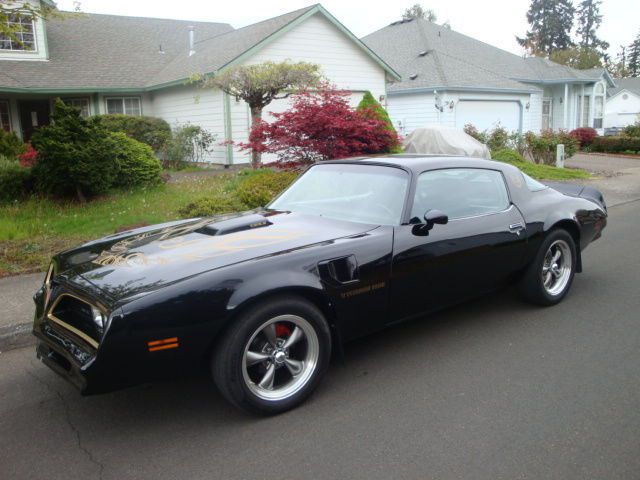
(228, 358)
(532, 285)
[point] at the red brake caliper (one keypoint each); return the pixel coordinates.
(282, 331)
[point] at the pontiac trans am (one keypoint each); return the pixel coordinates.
(262, 298)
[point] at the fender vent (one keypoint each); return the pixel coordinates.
(339, 270)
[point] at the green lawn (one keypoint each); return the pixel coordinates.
(547, 172)
(33, 230)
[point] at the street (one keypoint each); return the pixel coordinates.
(493, 389)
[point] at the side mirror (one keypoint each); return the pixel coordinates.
(432, 217)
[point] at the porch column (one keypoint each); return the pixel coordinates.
(566, 106)
(582, 108)
(592, 104)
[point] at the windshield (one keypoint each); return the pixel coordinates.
(356, 193)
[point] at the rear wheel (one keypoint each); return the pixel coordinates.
(273, 356)
(549, 277)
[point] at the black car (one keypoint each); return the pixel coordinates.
(264, 297)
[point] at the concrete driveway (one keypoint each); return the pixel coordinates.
(494, 389)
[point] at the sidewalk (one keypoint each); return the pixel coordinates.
(17, 309)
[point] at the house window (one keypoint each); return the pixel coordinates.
(582, 114)
(81, 104)
(5, 121)
(598, 106)
(124, 105)
(23, 38)
(547, 113)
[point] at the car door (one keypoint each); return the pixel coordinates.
(479, 247)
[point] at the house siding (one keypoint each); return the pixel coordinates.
(197, 106)
(620, 112)
(41, 41)
(411, 111)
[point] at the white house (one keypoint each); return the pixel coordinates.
(141, 66)
(451, 79)
(623, 104)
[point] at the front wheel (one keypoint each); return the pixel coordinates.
(548, 279)
(273, 356)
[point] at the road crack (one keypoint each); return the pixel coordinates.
(76, 430)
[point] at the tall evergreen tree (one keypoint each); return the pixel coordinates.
(589, 20)
(633, 64)
(551, 22)
(418, 11)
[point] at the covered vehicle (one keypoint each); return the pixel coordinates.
(262, 298)
(439, 140)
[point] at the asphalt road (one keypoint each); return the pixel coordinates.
(494, 389)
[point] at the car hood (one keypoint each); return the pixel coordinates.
(145, 259)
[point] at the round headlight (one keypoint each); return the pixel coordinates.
(98, 318)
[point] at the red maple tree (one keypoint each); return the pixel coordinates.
(321, 125)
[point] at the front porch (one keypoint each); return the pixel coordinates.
(572, 105)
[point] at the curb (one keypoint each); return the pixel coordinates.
(16, 336)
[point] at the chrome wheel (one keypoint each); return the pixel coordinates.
(280, 357)
(557, 267)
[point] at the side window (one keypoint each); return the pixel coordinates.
(460, 192)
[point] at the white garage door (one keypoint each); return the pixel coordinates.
(485, 114)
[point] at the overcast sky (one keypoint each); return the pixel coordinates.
(493, 21)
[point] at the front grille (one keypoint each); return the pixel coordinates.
(76, 316)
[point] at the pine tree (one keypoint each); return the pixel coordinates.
(371, 108)
(589, 20)
(551, 22)
(633, 64)
(418, 11)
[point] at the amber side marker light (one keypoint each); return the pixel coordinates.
(164, 344)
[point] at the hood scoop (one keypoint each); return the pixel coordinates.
(234, 225)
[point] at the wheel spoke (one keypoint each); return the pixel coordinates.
(294, 366)
(295, 336)
(547, 279)
(269, 376)
(256, 357)
(270, 332)
(556, 256)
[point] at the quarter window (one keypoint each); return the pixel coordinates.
(81, 104)
(22, 38)
(124, 105)
(5, 122)
(460, 192)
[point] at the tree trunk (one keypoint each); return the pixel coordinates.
(256, 157)
(80, 195)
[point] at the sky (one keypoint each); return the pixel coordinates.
(496, 22)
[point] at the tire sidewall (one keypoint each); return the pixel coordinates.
(230, 372)
(552, 237)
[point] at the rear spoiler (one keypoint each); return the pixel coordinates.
(580, 191)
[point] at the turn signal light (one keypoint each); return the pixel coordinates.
(164, 344)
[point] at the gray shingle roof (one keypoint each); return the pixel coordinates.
(106, 51)
(456, 60)
(215, 52)
(630, 84)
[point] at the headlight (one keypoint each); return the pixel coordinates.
(98, 318)
(47, 284)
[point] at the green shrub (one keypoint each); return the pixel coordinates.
(15, 181)
(259, 189)
(76, 156)
(498, 139)
(10, 145)
(369, 106)
(137, 165)
(188, 143)
(621, 144)
(542, 148)
(216, 204)
(508, 156)
(632, 130)
(471, 130)
(152, 131)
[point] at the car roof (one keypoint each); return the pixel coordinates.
(418, 163)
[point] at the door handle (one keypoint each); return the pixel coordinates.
(516, 228)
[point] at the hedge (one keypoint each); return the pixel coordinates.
(16, 182)
(619, 144)
(153, 131)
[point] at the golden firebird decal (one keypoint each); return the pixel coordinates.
(201, 248)
(361, 290)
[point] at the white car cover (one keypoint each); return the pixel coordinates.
(441, 140)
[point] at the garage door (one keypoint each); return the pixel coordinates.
(485, 114)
